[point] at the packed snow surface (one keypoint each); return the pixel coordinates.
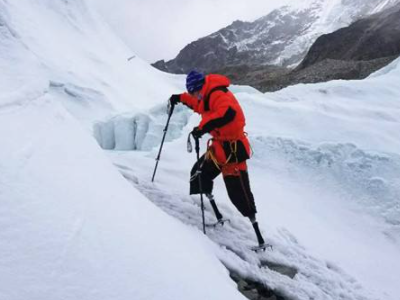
(80, 126)
(325, 169)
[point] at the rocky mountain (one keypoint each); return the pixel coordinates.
(367, 39)
(353, 52)
(281, 38)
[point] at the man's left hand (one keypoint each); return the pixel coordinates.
(197, 133)
(175, 99)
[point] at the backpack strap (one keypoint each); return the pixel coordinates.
(207, 98)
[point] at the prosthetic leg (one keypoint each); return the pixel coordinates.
(262, 246)
(218, 215)
(254, 222)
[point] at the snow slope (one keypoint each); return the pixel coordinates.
(325, 175)
(339, 140)
(71, 226)
(65, 43)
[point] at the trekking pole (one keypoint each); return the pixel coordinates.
(198, 173)
(171, 110)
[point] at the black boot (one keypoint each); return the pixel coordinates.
(258, 233)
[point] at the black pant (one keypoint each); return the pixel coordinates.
(238, 187)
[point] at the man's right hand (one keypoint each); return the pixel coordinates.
(175, 99)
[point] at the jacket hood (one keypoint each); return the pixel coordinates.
(214, 80)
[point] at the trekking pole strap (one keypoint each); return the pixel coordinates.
(189, 144)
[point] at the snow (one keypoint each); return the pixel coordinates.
(80, 126)
(73, 228)
(325, 173)
(337, 143)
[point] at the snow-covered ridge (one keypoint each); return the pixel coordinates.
(282, 37)
(85, 53)
(322, 17)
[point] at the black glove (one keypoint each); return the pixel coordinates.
(197, 132)
(175, 99)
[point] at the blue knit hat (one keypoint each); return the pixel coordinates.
(194, 81)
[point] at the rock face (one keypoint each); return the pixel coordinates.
(282, 38)
(370, 38)
(325, 70)
(353, 52)
(244, 43)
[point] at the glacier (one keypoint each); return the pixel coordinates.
(80, 126)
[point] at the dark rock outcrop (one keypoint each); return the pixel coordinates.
(368, 39)
(326, 70)
(353, 52)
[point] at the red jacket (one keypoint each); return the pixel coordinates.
(221, 115)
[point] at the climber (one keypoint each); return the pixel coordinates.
(227, 150)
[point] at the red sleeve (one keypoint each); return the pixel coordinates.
(191, 102)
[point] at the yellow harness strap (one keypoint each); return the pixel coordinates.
(210, 155)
